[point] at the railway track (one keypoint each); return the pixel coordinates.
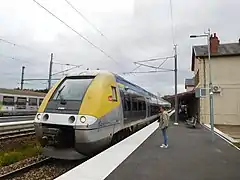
(22, 170)
(17, 134)
(5, 119)
(47, 168)
(14, 128)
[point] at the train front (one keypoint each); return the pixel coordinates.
(67, 123)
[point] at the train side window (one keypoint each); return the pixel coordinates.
(128, 103)
(134, 104)
(144, 105)
(114, 93)
(32, 102)
(21, 101)
(8, 100)
(140, 105)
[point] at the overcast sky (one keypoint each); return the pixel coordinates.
(133, 30)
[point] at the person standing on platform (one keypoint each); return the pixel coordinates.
(163, 125)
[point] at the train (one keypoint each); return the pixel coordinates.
(19, 102)
(83, 114)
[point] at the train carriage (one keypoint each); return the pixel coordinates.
(19, 102)
(82, 114)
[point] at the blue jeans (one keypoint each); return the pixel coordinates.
(164, 132)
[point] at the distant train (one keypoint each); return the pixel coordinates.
(19, 102)
(83, 114)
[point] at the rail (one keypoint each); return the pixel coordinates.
(22, 170)
(13, 127)
(16, 118)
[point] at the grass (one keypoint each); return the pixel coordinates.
(20, 153)
(237, 144)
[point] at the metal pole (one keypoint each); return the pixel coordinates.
(50, 72)
(22, 77)
(176, 99)
(211, 88)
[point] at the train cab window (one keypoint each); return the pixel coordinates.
(114, 93)
(72, 88)
(32, 102)
(21, 101)
(8, 101)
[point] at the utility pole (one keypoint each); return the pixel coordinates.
(50, 72)
(22, 77)
(211, 110)
(176, 98)
(210, 86)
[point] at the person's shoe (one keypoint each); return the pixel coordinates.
(165, 146)
(162, 146)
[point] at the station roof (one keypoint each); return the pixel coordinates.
(180, 95)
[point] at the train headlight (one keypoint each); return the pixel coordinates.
(83, 119)
(45, 117)
(38, 116)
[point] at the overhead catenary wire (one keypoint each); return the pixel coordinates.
(66, 64)
(20, 46)
(144, 72)
(79, 34)
(16, 59)
(81, 14)
(155, 59)
(74, 8)
(150, 66)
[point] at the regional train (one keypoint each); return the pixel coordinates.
(19, 102)
(83, 114)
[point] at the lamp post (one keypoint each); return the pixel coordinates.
(208, 34)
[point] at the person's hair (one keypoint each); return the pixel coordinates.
(161, 107)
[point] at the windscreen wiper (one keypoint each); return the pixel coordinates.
(60, 91)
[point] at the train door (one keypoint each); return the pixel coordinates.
(123, 103)
(148, 107)
(126, 101)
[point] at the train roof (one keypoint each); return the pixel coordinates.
(119, 78)
(135, 87)
(21, 92)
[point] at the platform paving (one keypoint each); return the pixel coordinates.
(191, 156)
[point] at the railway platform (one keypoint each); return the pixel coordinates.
(190, 155)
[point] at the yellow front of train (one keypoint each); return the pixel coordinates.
(79, 115)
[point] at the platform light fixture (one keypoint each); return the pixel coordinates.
(208, 35)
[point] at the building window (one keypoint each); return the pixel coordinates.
(114, 93)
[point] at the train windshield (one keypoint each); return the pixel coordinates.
(72, 89)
